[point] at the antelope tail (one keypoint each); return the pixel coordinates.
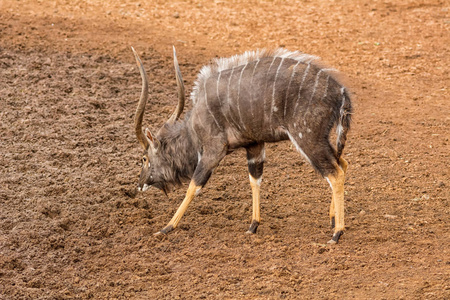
(343, 124)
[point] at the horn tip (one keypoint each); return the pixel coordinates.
(174, 53)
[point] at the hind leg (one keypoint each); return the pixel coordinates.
(336, 181)
(343, 164)
(320, 154)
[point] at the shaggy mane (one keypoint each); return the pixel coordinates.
(220, 64)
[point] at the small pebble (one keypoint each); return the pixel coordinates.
(390, 216)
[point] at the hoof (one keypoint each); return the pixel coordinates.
(253, 227)
(165, 230)
(335, 238)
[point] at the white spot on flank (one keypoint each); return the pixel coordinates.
(300, 135)
(275, 109)
(308, 130)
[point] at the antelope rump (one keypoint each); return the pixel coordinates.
(246, 101)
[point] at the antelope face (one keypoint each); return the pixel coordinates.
(145, 177)
(154, 170)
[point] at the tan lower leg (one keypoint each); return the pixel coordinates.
(332, 213)
(190, 194)
(337, 185)
(344, 164)
(255, 184)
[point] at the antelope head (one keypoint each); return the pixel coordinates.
(156, 168)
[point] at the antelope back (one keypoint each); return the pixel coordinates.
(258, 95)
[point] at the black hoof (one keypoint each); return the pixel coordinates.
(165, 230)
(333, 223)
(253, 227)
(336, 236)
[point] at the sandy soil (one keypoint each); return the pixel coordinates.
(71, 226)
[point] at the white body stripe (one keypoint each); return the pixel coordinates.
(316, 83)
(229, 99)
(217, 88)
(221, 64)
(300, 89)
(218, 98)
(251, 89)
(228, 88)
(239, 94)
(329, 182)
(200, 120)
(298, 147)
(326, 88)
(208, 108)
(287, 90)
(273, 107)
(267, 75)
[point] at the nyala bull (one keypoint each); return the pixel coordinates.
(246, 101)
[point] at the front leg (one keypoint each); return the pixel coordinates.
(209, 161)
(190, 194)
(255, 159)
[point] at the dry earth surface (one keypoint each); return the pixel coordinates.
(72, 227)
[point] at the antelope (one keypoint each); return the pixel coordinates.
(246, 101)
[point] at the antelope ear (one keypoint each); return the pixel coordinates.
(149, 135)
(153, 141)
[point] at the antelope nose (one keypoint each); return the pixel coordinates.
(143, 188)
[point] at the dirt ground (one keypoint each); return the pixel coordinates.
(71, 226)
